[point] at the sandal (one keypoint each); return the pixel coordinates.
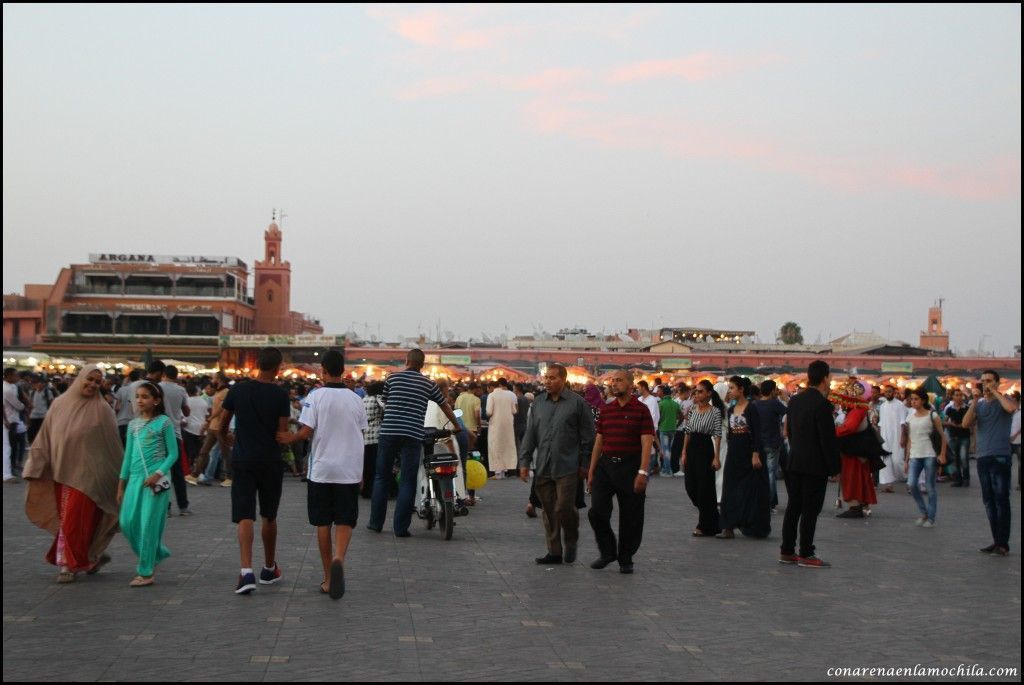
(323, 589)
(65, 577)
(139, 581)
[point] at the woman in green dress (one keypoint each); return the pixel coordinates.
(150, 453)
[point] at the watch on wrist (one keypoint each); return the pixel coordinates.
(643, 473)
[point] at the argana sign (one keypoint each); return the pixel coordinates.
(125, 258)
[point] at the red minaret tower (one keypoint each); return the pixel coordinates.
(273, 286)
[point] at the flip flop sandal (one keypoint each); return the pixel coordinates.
(323, 589)
(65, 577)
(337, 590)
(139, 581)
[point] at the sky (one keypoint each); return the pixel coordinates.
(500, 169)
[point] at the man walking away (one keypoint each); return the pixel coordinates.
(335, 418)
(261, 410)
(813, 457)
(561, 430)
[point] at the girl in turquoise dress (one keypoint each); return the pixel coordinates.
(150, 453)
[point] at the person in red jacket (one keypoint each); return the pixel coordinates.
(860, 449)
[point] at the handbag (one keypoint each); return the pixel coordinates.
(935, 436)
(161, 485)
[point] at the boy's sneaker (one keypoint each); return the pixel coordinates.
(203, 480)
(191, 480)
(788, 559)
(999, 552)
(269, 576)
(226, 483)
(246, 584)
(812, 562)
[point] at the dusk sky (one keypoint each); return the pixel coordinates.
(504, 167)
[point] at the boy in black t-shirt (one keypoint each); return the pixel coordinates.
(261, 410)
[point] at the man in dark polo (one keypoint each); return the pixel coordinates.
(619, 466)
(561, 430)
(813, 457)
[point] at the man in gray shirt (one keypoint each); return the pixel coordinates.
(124, 403)
(176, 408)
(993, 413)
(561, 431)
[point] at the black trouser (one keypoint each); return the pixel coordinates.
(616, 478)
(700, 482)
(677, 450)
(17, 441)
(806, 496)
(193, 443)
(123, 432)
(33, 429)
(369, 470)
(178, 479)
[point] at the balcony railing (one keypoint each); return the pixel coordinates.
(160, 291)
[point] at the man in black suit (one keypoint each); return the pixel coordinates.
(813, 457)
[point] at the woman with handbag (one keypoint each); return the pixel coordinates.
(925, 439)
(144, 491)
(72, 477)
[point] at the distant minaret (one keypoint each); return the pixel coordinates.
(935, 338)
(273, 285)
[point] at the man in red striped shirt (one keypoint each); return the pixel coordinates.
(619, 467)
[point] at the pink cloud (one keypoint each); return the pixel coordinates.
(450, 28)
(697, 67)
(707, 140)
(996, 179)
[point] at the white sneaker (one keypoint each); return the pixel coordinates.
(928, 524)
(920, 521)
(678, 474)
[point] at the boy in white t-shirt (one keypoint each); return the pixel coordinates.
(335, 418)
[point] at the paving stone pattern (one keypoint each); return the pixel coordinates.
(479, 608)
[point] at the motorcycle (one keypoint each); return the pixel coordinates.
(438, 479)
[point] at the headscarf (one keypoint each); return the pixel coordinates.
(592, 394)
(78, 446)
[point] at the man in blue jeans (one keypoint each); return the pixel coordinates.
(405, 398)
(993, 413)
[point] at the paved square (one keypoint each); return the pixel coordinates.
(479, 608)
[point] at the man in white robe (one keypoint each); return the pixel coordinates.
(502, 405)
(892, 413)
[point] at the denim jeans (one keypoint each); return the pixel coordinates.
(211, 468)
(409, 451)
(928, 465)
(994, 477)
(959, 449)
(666, 450)
(771, 461)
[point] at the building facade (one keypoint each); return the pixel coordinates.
(121, 303)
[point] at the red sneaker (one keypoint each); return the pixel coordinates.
(788, 559)
(812, 562)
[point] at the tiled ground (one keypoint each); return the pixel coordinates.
(479, 608)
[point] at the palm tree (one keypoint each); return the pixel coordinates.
(790, 334)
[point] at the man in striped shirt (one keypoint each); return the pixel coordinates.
(405, 398)
(619, 468)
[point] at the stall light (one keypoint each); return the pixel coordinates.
(32, 361)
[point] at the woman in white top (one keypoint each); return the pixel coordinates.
(920, 454)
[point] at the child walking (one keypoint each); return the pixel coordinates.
(144, 490)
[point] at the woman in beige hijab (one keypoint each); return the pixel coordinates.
(72, 473)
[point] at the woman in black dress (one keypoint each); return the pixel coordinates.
(746, 498)
(700, 456)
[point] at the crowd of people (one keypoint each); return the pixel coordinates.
(103, 453)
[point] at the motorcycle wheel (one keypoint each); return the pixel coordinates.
(447, 522)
